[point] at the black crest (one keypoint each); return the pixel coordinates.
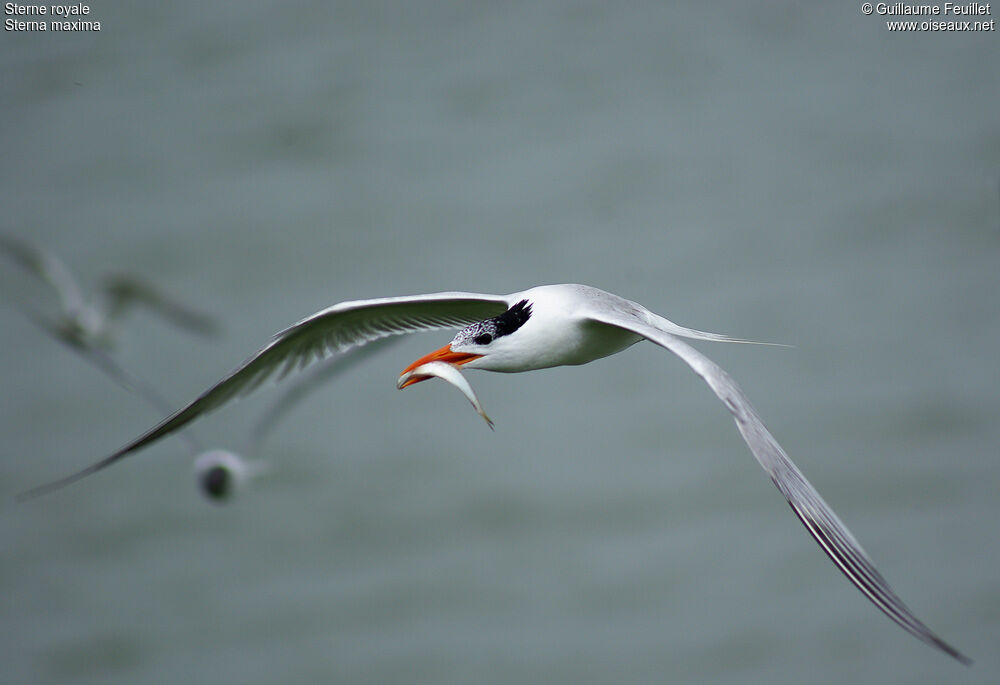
(512, 319)
(485, 332)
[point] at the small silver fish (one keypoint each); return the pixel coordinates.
(451, 374)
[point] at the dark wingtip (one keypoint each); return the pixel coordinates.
(47, 488)
(954, 653)
(60, 483)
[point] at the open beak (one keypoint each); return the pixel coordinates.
(445, 355)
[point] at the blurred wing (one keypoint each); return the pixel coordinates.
(124, 291)
(336, 329)
(48, 268)
(817, 516)
(317, 377)
(128, 381)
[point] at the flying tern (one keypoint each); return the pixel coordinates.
(94, 323)
(538, 328)
(220, 472)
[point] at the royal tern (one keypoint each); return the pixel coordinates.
(220, 472)
(542, 327)
(93, 323)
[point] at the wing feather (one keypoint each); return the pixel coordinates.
(816, 515)
(123, 292)
(335, 329)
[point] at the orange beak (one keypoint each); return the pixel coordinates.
(445, 354)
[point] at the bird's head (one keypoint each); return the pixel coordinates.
(485, 344)
(220, 474)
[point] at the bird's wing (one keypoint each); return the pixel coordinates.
(123, 291)
(317, 377)
(48, 268)
(337, 328)
(817, 516)
(115, 371)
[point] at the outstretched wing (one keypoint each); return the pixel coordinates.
(317, 376)
(48, 268)
(817, 516)
(337, 328)
(103, 361)
(123, 292)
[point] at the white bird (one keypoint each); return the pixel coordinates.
(220, 473)
(542, 327)
(93, 324)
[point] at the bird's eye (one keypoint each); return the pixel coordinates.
(483, 339)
